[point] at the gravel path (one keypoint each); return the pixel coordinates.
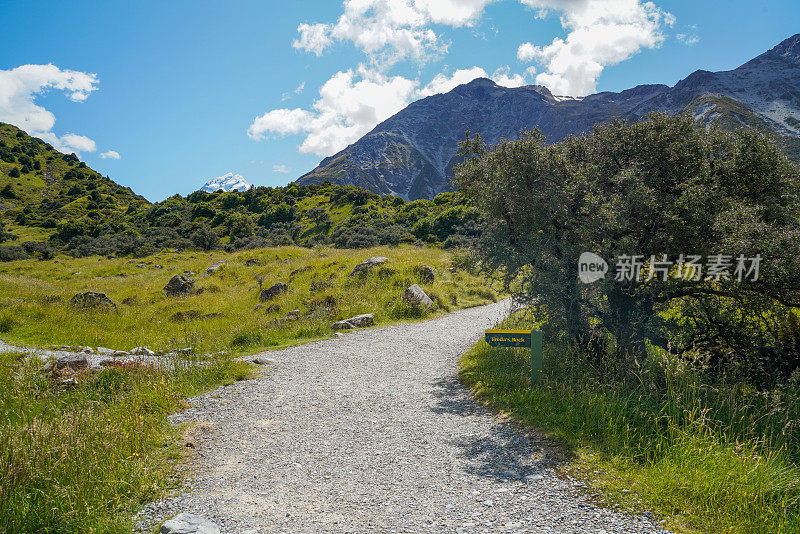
(372, 432)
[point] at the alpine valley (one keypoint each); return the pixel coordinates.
(412, 154)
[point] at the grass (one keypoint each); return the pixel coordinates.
(703, 458)
(36, 294)
(84, 459)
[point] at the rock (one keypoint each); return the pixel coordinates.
(188, 273)
(294, 313)
(142, 351)
(92, 300)
(260, 360)
(216, 266)
(364, 267)
(269, 294)
(186, 315)
(120, 354)
(86, 350)
(415, 296)
(427, 274)
(184, 523)
(72, 361)
(212, 315)
(60, 347)
(251, 262)
(365, 319)
(104, 351)
(179, 285)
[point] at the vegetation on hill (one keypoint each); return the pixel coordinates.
(682, 385)
(58, 204)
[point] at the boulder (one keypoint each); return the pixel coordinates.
(92, 300)
(184, 523)
(104, 351)
(179, 285)
(71, 361)
(427, 274)
(260, 360)
(415, 296)
(365, 266)
(86, 350)
(365, 319)
(216, 266)
(268, 294)
(142, 351)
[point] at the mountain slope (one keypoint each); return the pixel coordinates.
(40, 186)
(412, 154)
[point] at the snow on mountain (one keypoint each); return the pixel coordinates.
(226, 182)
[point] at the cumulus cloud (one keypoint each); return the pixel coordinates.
(391, 30)
(19, 88)
(111, 154)
(283, 169)
(353, 102)
(600, 33)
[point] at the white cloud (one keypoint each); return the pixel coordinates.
(391, 30)
(296, 91)
(503, 76)
(353, 102)
(690, 37)
(111, 154)
(283, 169)
(313, 38)
(19, 88)
(600, 33)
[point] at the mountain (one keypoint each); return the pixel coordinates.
(40, 186)
(226, 182)
(412, 154)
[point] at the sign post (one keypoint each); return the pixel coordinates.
(520, 338)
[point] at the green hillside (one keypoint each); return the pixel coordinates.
(40, 187)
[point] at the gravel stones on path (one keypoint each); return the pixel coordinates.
(372, 432)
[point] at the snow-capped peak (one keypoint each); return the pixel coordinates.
(226, 182)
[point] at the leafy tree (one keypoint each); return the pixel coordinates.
(205, 238)
(320, 216)
(661, 186)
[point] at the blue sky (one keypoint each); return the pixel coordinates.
(187, 91)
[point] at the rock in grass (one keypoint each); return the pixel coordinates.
(415, 296)
(260, 360)
(179, 285)
(92, 300)
(216, 266)
(71, 361)
(268, 294)
(427, 274)
(365, 266)
(142, 351)
(365, 319)
(189, 524)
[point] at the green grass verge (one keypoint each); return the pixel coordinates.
(35, 297)
(85, 458)
(703, 458)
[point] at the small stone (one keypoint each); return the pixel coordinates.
(179, 285)
(142, 351)
(365, 319)
(216, 266)
(119, 354)
(86, 350)
(365, 266)
(269, 294)
(260, 360)
(92, 300)
(427, 274)
(189, 524)
(258, 307)
(415, 296)
(104, 351)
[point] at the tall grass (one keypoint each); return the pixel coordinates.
(224, 317)
(711, 457)
(81, 459)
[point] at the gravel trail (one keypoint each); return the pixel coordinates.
(372, 432)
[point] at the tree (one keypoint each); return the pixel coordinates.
(320, 216)
(14, 172)
(205, 238)
(661, 186)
